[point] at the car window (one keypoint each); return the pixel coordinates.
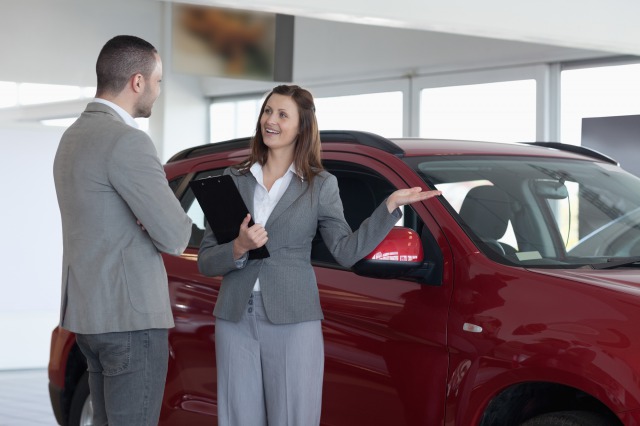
(361, 191)
(175, 183)
(542, 212)
(194, 211)
(488, 218)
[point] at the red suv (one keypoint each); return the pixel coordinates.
(522, 306)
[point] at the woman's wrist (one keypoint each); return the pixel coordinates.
(391, 205)
(238, 250)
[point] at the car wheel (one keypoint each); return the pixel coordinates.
(568, 418)
(81, 412)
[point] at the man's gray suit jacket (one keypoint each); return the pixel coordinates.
(107, 175)
(287, 280)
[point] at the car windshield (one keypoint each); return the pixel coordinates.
(541, 212)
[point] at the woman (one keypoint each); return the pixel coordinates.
(269, 348)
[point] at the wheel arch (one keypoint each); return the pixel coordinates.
(522, 401)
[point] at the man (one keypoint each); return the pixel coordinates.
(118, 213)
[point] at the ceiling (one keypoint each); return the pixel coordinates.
(609, 26)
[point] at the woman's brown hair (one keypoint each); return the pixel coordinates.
(306, 157)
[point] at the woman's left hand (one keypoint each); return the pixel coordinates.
(402, 197)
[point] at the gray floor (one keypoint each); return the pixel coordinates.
(24, 398)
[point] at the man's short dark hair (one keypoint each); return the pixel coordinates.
(120, 58)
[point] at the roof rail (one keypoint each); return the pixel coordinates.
(210, 148)
(361, 138)
(589, 152)
(326, 136)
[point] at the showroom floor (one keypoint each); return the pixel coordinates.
(24, 398)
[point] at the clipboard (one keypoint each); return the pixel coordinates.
(224, 209)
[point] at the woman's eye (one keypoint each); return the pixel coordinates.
(283, 115)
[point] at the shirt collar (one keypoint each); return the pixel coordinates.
(128, 119)
(256, 171)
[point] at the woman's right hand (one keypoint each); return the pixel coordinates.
(249, 238)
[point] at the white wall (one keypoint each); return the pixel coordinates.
(42, 41)
(31, 249)
(57, 42)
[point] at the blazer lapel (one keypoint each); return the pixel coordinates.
(296, 188)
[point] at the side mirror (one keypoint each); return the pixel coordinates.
(398, 254)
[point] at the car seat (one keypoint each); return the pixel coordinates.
(487, 211)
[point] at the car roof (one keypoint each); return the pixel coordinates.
(421, 146)
(410, 147)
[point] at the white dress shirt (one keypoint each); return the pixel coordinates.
(264, 201)
(121, 112)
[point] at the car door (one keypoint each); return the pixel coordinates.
(385, 339)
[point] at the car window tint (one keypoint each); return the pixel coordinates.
(361, 191)
(490, 217)
(175, 183)
(194, 211)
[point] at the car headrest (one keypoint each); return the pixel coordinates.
(486, 211)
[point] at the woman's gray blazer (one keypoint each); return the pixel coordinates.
(287, 280)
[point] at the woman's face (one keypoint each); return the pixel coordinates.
(279, 122)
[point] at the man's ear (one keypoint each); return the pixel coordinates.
(137, 83)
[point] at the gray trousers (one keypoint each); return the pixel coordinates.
(268, 374)
(127, 373)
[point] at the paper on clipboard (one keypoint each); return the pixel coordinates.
(224, 209)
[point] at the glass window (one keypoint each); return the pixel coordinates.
(175, 183)
(194, 211)
(12, 94)
(500, 112)
(361, 191)
(59, 122)
(143, 123)
(8, 94)
(597, 92)
(31, 93)
(542, 212)
(379, 113)
(233, 119)
(458, 194)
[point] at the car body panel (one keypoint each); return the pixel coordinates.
(518, 344)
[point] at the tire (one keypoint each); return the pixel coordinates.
(81, 411)
(568, 418)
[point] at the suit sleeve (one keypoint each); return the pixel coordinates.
(137, 175)
(215, 259)
(349, 247)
